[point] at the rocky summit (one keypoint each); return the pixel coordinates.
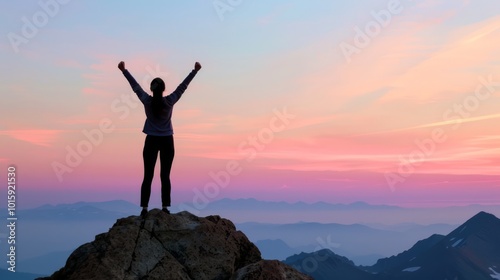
(175, 246)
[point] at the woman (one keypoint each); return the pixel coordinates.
(158, 128)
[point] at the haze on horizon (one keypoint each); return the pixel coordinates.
(387, 102)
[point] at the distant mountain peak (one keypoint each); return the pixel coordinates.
(482, 217)
(468, 252)
(325, 264)
(323, 254)
(478, 223)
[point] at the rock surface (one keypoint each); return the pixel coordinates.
(176, 246)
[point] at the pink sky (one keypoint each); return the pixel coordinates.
(419, 104)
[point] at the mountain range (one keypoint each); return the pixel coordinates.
(252, 210)
(369, 243)
(184, 246)
(362, 244)
(470, 252)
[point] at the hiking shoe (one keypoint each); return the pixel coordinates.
(144, 212)
(165, 210)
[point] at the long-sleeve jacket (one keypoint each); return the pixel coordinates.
(162, 125)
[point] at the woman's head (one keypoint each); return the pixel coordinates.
(157, 85)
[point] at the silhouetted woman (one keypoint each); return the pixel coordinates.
(158, 127)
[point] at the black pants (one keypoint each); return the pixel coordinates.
(153, 145)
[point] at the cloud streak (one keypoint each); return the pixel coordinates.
(40, 137)
(437, 124)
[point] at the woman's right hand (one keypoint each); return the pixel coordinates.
(121, 66)
(197, 66)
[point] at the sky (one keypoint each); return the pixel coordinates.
(387, 102)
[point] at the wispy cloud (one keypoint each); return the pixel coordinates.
(41, 137)
(436, 124)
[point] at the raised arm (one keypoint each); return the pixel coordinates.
(133, 83)
(176, 95)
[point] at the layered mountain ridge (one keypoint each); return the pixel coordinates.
(471, 251)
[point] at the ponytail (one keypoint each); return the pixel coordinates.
(157, 87)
